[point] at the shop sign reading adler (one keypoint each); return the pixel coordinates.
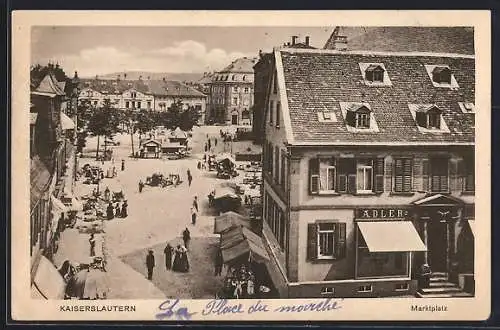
(386, 213)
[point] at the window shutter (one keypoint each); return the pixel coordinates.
(407, 169)
(421, 119)
(351, 183)
(350, 118)
(314, 176)
(460, 173)
(379, 174)
(312, 245)
(398, 175)
(340, 248)
(425, 175)
(342, 183)
(389, 161)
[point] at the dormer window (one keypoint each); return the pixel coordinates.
(428, 117)
(374, 73)
(441, 75)
(467, 107)
(358, 117)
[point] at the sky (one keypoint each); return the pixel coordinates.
(94, 50)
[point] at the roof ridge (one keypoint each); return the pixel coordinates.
(373, 53)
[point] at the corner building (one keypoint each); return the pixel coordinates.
(368, 171)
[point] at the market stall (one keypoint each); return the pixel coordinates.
(229, 220)
(225, 199)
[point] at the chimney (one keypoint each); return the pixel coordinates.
(307, 40)
(294, 40)
(340, 43)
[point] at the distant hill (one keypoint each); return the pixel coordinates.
(134, 75)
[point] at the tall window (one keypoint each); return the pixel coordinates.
(235, 101)
(149, 104)
(434, 119)
(235, 89)
(139, 104)
(327, 174)
(271, 109)
(469, 179)
(278, 111)
(364, 175)
(326, 240)
(276, 173)
(402, 174)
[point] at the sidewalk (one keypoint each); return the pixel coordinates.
(75, 247)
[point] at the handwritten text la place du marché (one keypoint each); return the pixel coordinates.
(223, 306)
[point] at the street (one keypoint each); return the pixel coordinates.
(156, 216)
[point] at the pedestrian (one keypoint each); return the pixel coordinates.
(141, 185)
(92, 245)
(218, 263)
(110, 211)
(195, 203)
(150, 264)
(206, 147)
(209, 145)
(124, 212)
(176, 266)
(193, 216)
(117, 210)
(186, 237)
(204, 157)
(190, 178)
(168, 256)
(215, 142)
(199, 165)
(106, 194)
(123, 164)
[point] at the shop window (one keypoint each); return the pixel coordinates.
(326, 240)
(439, 174)
(365, 288)
(375, 264)
(328, 290)
(403, 174)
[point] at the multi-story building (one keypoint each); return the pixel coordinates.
(231, 93)
(262, 74)
(368, 171)
(52, 157)
(142, 94)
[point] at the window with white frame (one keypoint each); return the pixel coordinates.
(364, 175)
(327, 174)
(235, 89)
(235, 101)
(362, 120)
(246, 90)
(365, 288)
(326, 240)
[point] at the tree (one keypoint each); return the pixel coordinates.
(104, 122)
(188, 118)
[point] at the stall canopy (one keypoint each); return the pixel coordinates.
(229, 220)
(391, 236)
(225, 157)
(224, 192)
(48, 282)
(66, 122)
(240, 242)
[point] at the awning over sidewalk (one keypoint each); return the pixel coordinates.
(48, 282)
(472, 226)
(228, 220)
(39, 180)
(391, 236)
(66, 122)
(241, 242)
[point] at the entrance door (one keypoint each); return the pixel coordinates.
(234, 119)
(436, 245)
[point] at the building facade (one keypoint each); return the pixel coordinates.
(231, 93)
(368, 171)
(52, 163)
(153, 95)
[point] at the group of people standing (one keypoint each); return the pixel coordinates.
(239, 283)
(117, 210)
